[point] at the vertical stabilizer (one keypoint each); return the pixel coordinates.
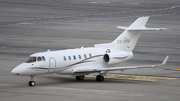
(139, 23)
(128, 39)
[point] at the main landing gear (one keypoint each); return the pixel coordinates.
(99, 78)
(31, 82)
(80, 77)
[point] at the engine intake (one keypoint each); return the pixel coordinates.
(117, 57)
(106, 58)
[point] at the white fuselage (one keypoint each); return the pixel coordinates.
(67, 61)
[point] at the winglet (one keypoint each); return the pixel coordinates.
(165, 60)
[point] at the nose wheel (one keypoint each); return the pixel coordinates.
(31, 82)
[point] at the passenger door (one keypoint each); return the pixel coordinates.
(52, 65)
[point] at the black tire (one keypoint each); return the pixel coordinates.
(77, 77)
(32, 83)
(80, 77)
(99, 78)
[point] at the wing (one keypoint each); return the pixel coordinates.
(118, 68)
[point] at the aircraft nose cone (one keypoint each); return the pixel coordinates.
(18, 70)
(15, 71)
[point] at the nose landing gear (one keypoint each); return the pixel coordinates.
(31, 82)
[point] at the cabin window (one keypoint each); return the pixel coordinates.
(69, 57)
(90, 55)
(43, 58)
(85, 56)
(38, 59)
(31, 59)
(79, 56)
(64, 58)
(74, 57)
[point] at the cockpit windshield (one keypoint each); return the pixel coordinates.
(34, 59)
(31, 59)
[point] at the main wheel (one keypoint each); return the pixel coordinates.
(99, 78)
(80, 77)
(32, 83)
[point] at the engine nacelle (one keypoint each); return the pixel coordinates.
(117, 57)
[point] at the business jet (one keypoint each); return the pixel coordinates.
(84, 61)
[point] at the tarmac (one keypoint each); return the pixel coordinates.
(30, 26)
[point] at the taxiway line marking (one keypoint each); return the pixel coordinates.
(176, 69)
(135, 77)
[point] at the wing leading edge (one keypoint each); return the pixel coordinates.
(119, 68)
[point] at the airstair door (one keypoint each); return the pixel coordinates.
(52, 65)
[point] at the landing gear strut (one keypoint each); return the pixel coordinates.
(99, 78)
(80, 77)
(31, 82)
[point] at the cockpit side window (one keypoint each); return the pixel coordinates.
(43, 58)
(38, 59)
(31, 59)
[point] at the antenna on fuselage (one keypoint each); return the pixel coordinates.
(48, 50)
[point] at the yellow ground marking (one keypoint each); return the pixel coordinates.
(135, 77)
(175, 69)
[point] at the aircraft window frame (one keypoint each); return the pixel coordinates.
(90, 55)
(85, 56)
(79, 56)
(31, 59)
(74, 57)
(43, 58)
(69, 57)
(64, 58)
(39, 59)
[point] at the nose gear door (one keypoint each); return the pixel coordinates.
(52, 65)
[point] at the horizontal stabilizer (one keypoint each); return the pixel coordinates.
(141, 29)
(122, 27)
